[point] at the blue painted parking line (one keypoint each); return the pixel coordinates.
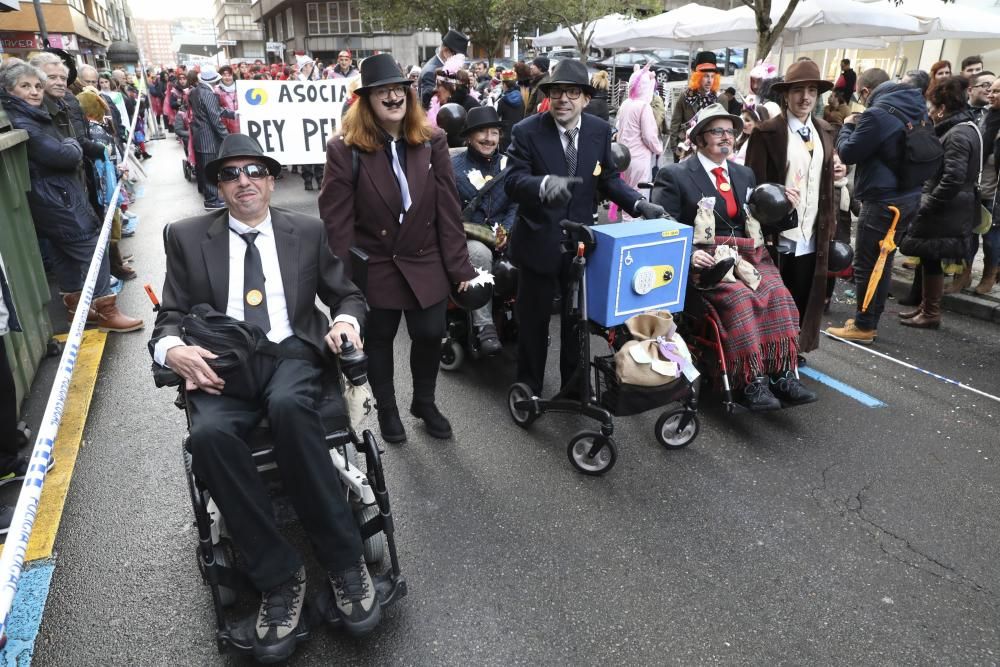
(26, 614)
(846, 389)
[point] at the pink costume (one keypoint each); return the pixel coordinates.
(637, 128)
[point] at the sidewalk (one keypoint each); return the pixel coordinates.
(965, 302)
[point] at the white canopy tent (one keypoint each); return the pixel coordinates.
(812, 22)
(563, 36)
(950, 21)
(659, 32)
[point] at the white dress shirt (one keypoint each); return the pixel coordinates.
(708, 166)
(274, 289)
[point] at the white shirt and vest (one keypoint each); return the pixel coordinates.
(804, 172)
(277, 307)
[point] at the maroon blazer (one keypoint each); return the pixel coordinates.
(410, 264)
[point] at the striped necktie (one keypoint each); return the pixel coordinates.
(571, 151)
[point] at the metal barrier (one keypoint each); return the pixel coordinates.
(16, 547)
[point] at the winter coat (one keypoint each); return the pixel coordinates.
(949, 205)
(495, 206)
(462, 97)
(767, 155)
(875, 141)
(58, 198)
(510, 108)
(637, 131)
(598, 105)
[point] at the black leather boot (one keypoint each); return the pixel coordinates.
(435, 422)
(389, 423)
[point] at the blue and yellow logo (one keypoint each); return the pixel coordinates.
(256, 96)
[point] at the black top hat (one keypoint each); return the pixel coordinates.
(570, 72)
(380, 70)
(239, 145)
(479, 118)
(456, 41)
(704, 61)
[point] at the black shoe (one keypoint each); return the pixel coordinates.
(6, 516)
(789, 389)
(711, 276)
(390, 425)
(757, 397)
(278, 619)
(488, 339)
(19, 470)
(309, 186)
(434, 421)
(356, 599)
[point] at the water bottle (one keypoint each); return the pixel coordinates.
(353, 362)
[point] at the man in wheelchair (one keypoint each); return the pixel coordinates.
(741, 287)
(266, 266)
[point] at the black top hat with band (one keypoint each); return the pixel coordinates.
(705, 61)
(569, 72)
(380, 70)
(237, 146)
(456, 41)
(480, 118)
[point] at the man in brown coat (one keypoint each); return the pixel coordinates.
(795, 149)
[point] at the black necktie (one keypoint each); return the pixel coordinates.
(254, 296)
(571, 152)
(804, 133)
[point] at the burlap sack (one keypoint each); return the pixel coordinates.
(642, 362)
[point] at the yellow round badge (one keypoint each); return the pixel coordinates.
(725, 187)
(254, 297)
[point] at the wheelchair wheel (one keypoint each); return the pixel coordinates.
(520, 392)
(667, 433)
(375, 546)
(592, 453)
(452, 355)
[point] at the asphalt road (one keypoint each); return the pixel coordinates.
(830, 534)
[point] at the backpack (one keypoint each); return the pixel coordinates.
(922, 152)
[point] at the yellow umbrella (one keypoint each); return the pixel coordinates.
(885, 246)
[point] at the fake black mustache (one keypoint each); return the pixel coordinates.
(395, 104)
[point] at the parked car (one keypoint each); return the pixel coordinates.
(556, 55)
(666, 69)
(737, 57)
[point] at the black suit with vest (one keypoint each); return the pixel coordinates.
(536, 150)
(198, 259)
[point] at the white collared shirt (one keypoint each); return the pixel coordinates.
(277, 307)
(708, 166)
(794, 124)
(576, 138)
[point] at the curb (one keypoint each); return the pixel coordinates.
(981, 308)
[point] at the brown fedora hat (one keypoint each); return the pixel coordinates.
(802, 72)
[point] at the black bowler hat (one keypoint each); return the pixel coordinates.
(380, 70)
(456, 41)
(479, 118)
(239, 145)
(570, 72)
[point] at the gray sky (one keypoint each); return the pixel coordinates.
(168, 9)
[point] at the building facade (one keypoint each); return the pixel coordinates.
(323, 29)
(155, 39)
(83, 28)
(239, 35)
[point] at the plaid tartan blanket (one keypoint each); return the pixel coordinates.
(759, 328)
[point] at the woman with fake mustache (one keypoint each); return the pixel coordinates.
(389, 191)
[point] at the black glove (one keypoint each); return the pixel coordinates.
(558, 189)
(93, 149)
(650, 211)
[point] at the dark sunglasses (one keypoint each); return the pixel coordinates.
(255, 171)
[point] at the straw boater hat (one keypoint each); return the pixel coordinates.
(802, 72)
(714, 112)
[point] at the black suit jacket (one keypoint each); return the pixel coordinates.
(679, 187)
(536, 150)
(198, 272)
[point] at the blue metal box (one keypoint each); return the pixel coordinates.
(636, 267)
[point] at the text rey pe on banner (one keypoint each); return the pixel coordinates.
(292, 120)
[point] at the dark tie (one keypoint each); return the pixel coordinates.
(254, 296)
(571, 151)
(804, 133)
(726, 190)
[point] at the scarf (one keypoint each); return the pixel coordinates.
(229, 89)
(844, 197)
(699, 101)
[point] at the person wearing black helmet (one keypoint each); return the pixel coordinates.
(757, 318)
(452, 44)
(480, 173)
(560, 161)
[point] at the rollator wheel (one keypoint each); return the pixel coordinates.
(375, 546)
(520, 392)
(452, 355)
(592, 453)
(666, 430)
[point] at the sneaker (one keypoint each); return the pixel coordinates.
(757, 397)
(6, 516)
(853, 333)
(488, 339)
(278, 619)
(20, 470)
(789, 389)
(435, 422)
(356, 599)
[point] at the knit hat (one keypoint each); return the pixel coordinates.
(542, 63)
(302, 61)
(209, 75)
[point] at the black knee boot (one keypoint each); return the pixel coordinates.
(424, 362)
(380, 376)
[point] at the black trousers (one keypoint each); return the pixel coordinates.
(797, 274)
(221, 459)
(535, 292)
(208, 190)
(873, 225)
(426, 327)
(8, 412)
